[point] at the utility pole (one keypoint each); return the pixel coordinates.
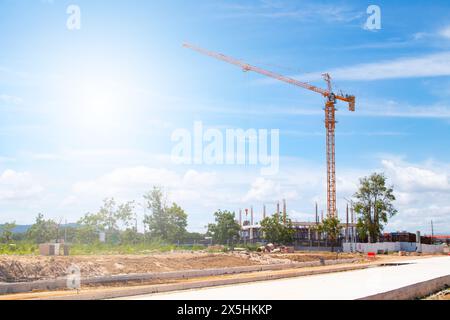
(240, 217)
(432, 232)
(317, 214)
(346, 227)
(353, 223)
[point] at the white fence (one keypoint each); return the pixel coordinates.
(392, 247)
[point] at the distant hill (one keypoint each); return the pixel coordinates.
(20, 228)
(24, 228)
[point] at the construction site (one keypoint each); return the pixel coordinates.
(310, 252)
(331, 180)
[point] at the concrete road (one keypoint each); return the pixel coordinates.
(336, 286)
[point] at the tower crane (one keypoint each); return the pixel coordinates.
(331, 99)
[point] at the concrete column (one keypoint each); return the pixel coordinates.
(418, 242)
(240, 217)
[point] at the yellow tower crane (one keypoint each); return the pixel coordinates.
(330, 114)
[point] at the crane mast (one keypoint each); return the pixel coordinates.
(330, 113)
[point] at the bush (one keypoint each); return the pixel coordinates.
(18, 249)
(140, 248)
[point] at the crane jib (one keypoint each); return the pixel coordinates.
(247, 67)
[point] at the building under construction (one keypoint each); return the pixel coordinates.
(306, 233)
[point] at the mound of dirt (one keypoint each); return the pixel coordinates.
(31, 268)
(23, 269)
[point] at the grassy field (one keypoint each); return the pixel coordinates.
(99, 248)
(18, 249)
(142, 248)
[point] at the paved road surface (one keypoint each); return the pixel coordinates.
(343, 286)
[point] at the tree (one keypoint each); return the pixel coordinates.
(331, 226)
(109, 219)
(111, 215)
(131, 235)
(42, 230)
(226, 229)
(193, 237)
(374, 204)
(89, 227)
(6, 235)
(177, 223)
(276, 231)
(165, 223)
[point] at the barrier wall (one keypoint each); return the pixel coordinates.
(427, 248)
(392, 247)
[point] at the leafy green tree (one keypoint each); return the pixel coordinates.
(111, 215)
(6, 235)
(276, 231)
(109, 219)
(226, 229)
(157, 221)
(331, 226)
(177, 223)
(164, 223)
(89, 227)
(191, 237)
(131, 236)
(374, 205)
(42, 230)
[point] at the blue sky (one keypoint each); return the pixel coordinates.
(88, 114)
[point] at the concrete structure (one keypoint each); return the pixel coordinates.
(61, 283)
(411, 279)
(393, 247)
(53, 249)
(305, 232)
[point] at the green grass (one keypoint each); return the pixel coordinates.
(142, 248)
(18, 249)
(101, 248)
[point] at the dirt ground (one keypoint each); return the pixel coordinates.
(31, 268)
(443, 295)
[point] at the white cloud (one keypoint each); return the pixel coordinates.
(202, 179)
(394, 109)
(264, 190)
(417, 179)
(124, 181)
(422, 195)
(421, 190)
(445, 32)
(8, 99)
(18, 186)
(270, 9)
(131, 183)
(432, 65)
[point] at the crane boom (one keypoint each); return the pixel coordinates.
(247, 67)
(330, 114)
